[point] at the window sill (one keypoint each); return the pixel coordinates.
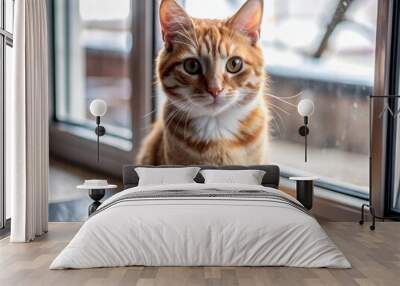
(79, 145)
(88, 134)
(327, 204)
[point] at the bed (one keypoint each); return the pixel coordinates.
(199, 224)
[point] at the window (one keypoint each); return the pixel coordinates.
(323, 50)
(101, 49)
(6, 43)
(93, 43)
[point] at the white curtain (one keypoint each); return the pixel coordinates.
(27, 123)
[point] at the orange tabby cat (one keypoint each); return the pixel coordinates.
(212, 72)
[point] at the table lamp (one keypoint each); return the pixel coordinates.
(305, 108)
(98, 108)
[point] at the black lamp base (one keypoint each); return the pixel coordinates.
(96, 195)
(305, 192)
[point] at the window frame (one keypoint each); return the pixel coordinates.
(77, 142)
(393, 89)
(6, 39)
(383, 142)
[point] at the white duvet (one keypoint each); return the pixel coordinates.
(200, 231)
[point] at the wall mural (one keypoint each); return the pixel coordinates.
(212, 102)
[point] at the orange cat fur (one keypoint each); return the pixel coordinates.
(212, 73)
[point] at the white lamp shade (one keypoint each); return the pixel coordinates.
(305, 107)
(98, 107)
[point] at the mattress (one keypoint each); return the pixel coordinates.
(201, 225)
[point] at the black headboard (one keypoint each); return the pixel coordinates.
(271, 177)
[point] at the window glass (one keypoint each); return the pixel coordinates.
(93, 44)
(396, 190)
(1, 16)
(9, 15)
(395, 113)
(8, 90)
(395, 199)
(2, 139)
(334, 68)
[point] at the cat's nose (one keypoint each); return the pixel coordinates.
(215, 91)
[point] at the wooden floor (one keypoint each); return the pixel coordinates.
(375, 257)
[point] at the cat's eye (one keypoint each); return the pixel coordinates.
(192, 66)
(234, 65)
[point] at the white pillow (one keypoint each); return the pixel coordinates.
(164, 176)
(248, 177)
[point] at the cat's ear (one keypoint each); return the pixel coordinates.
(248, 19)
(174, 21)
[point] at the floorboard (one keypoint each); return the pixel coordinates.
(375, 257)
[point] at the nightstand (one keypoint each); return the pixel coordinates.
(96, 193)
(305, 190)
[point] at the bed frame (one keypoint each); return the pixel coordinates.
(270, 179)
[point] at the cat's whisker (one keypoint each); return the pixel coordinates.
(278, 107)
(280, 119)
(276, 124)
(293, 96)
(146, 128)
(150, 113)
(182, 105)
(277, 117)
(180, 119)
(165, 104)
(184, 125)
(282, 99)
(186, 122)
(172, 116)
(169, 120)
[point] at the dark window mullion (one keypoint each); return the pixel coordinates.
(67, 56)
(393, 89)
(3, 14)
(2, 125)
(2, 89)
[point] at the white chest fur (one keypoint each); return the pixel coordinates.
(224, 125)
